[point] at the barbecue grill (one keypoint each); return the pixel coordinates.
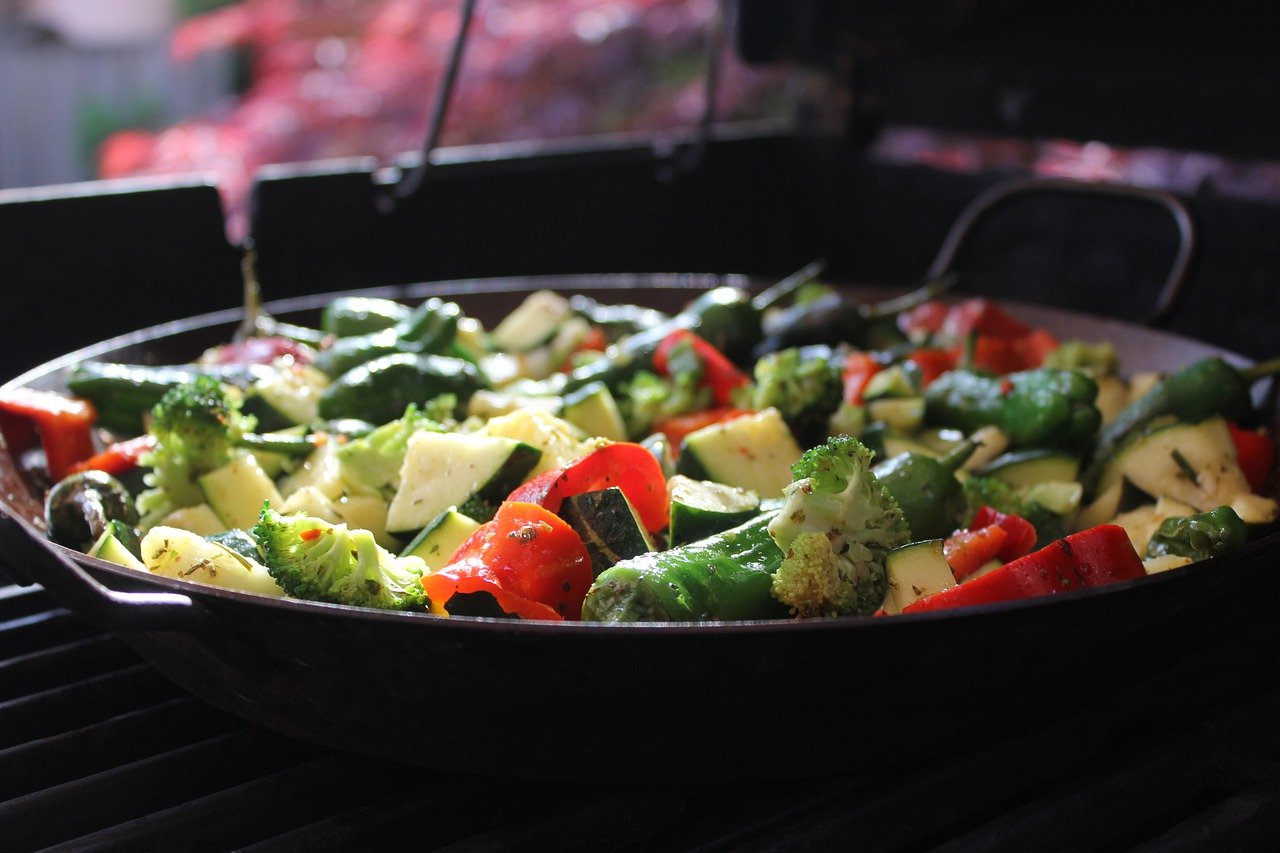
(98, 749)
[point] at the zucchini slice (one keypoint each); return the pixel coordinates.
(700, 508)
(608, 525)
(111, 549)
(753, 452)
(1023, 468)
(236, 492)
(593, 409)
(916, 570)
(443, 470)
(439, 540)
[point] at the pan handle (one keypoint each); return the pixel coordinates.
(71, 586)
(1175, 282)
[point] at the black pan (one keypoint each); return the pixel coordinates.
(743, 700)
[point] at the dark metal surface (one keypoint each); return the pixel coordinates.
(694, 694)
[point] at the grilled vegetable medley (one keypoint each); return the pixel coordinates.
(790, 454)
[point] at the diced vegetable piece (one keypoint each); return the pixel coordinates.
(438, 541)
(287, 396)
(109, 548)
(904, 414)
(199, 519)
(608, 526)
(181, 554)
(593, 410)
(916, 570)
(751, 452)
(443, 470)
(558, 440)
(700, 508)
(533, 323)
(236, 492)
(322, 471)
(1029, 467)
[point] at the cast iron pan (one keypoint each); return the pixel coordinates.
(675, 702)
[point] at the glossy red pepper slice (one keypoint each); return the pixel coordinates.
(718, 372)
(1021, 534)
(119, 458)
(528, 558)
(1255, 454)
(932, 363)
(967, 551)
(63, 424)
(626, 465)
(859, 367)
(1095, 557)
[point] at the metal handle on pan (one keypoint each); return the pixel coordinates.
(73, 587)
(1175, 283)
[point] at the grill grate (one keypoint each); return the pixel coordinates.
(99, 751)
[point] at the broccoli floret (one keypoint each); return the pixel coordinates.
(197, 426)
(1002, 497)
(805, 390)
(374, 460)
(648, 398)
(1098, 359)
(835, 528)
(319, 561)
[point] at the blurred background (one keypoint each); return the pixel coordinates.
(121, 88)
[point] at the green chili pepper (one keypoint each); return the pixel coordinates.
(1035, 408)
(931, 498)
(1199, 536)
(428, 329)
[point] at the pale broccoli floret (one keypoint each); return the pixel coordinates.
(805, 390)
(319, 561)
(836, 526)
(374, 460)
(197, 427)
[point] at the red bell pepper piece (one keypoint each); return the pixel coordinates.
(528, 558)
(626, 465)
(677, 427)
(119, 458)
(64, 425)
(1021, 534)
(932, 363)
(967, 551)
(718, 372)
(859, 367)
(1095, 557)
(1255, 454)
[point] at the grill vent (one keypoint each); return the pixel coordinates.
(98, 750)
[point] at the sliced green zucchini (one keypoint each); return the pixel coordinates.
(199, 519)
(556, 439)
(914, 571)
(902, 414)
(608, 525)
(895, 444)
(471, 472)
(1060, 497)
(239, 541)
(273, 464)
(700, 508)
(322, 470)
(1028, 467)
(111, 549)
(660, 446)
(895, 382)
(286, 397)
(1193, 463)
(751, 452)
(236, 492)
(593, 410)
(533, 323)
(439, 539)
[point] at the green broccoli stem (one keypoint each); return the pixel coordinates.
(727, 576)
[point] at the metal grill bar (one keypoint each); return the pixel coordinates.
(48, 668)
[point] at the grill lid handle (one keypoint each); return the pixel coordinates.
(35, 558)
(1174, 286)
